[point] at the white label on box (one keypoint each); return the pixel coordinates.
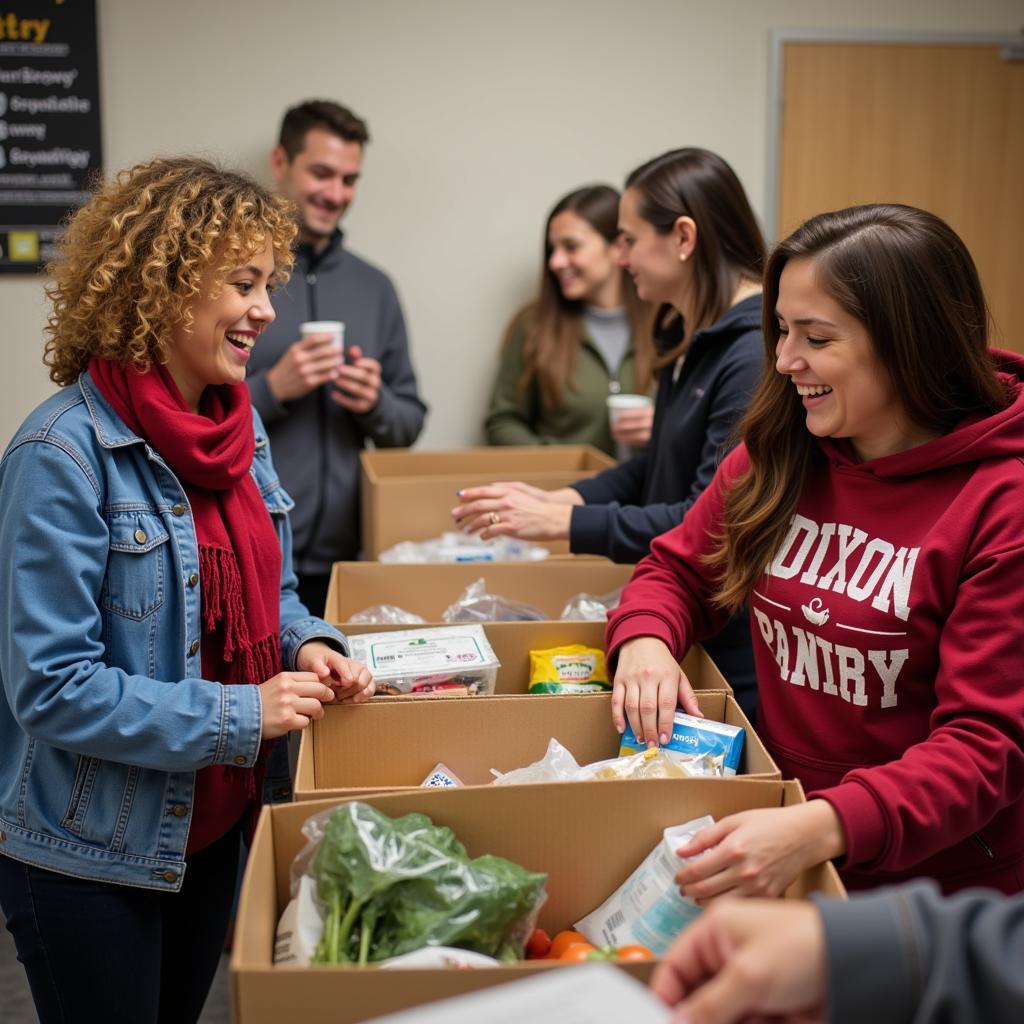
(438, 654)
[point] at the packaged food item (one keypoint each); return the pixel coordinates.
(454, 659)
(571, 668)
(474, 604)
(557, 765)
(648, 909)
(441, 956)
(458, 547)
(441, 775)
(653, 763)
(386, 614)
(591, 607)
(696, 736)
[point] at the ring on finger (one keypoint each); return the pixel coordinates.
(493, 518)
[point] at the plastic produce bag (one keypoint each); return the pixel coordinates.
(590, 607)
(388, 886)
(461, 547)
(474, 604)
(386, 615)
(648, 909)
(557, 765)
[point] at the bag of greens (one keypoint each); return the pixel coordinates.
(387, 886)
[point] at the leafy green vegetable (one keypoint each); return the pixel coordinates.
(391, 885)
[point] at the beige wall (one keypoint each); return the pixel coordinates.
(482, 113)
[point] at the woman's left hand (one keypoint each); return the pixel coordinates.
(350, 680)
(759, 852)
(500, 510)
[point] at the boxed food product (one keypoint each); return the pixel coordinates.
(449, 659)
(690, 735)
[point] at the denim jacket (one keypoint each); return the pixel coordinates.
(106, 717)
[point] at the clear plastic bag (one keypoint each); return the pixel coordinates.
(557, 765)
(590, 607)
(653, 763)
(388, 886)
(461, 547)
(386, 614)
(474, 604)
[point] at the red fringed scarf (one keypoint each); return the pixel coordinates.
(211, 453)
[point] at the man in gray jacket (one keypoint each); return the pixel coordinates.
(321, 408)
(904, 955)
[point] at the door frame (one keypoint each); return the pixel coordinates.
(779, 37)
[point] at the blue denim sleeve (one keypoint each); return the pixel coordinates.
(61, 689)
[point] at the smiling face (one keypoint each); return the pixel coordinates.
(584, 264)
(837, 375)
(653, 260)
(320, 179)
(231, 311)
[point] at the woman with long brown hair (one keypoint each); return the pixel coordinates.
(871, 522)
(692, 244)
(585, 337)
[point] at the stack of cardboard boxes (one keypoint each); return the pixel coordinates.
(586, 836)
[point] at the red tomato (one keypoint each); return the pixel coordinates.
(538, 945)
(562, 941)
(633, 953)
(577, 953)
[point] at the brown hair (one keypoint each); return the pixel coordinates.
(909, 279)
(325, 114)
(131, 260)
(553, 324)
(696, 183)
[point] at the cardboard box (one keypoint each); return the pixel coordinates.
(409, 495)
(513, 641)
(394, 743)
(588, 837)
(427, 590)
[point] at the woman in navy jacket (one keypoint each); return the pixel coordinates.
(692, 244)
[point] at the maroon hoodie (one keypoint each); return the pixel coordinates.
(888, 637)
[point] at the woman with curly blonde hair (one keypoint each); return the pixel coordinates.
(147, 581)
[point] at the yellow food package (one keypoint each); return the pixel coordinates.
(569, 669)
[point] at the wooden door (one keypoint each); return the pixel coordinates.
(935, 126)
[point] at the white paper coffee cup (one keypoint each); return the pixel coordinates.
(618, 404)
(335, 327)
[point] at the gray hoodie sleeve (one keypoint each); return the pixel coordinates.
(908, 955)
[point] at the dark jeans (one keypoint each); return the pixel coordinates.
(95, 951)
(313, 592)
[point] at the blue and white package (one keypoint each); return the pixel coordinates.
(695, 737)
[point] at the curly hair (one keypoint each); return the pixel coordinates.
(131, 260)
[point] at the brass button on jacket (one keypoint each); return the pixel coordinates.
(179, 810)
(170, 876)
(194, 647)
(193, 579)
(140, 536)
(240, 761)
(179, 509)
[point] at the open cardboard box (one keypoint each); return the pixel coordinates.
(588, 837)
(428, 589)
(395, 743)
(409, 495)
(513, 641)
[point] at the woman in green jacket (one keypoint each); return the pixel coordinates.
(585, 337)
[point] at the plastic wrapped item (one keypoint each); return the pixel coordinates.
(697, 736)
(455, 659)
(441, 776)
(648, 909)
(572, 668)
(647, 764)
(557, 765)
(386, 615)
(388, 886)
(474, 604)
(462, 547)
(590, 607)
(300, 927)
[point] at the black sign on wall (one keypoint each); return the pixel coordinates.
(49, 123)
